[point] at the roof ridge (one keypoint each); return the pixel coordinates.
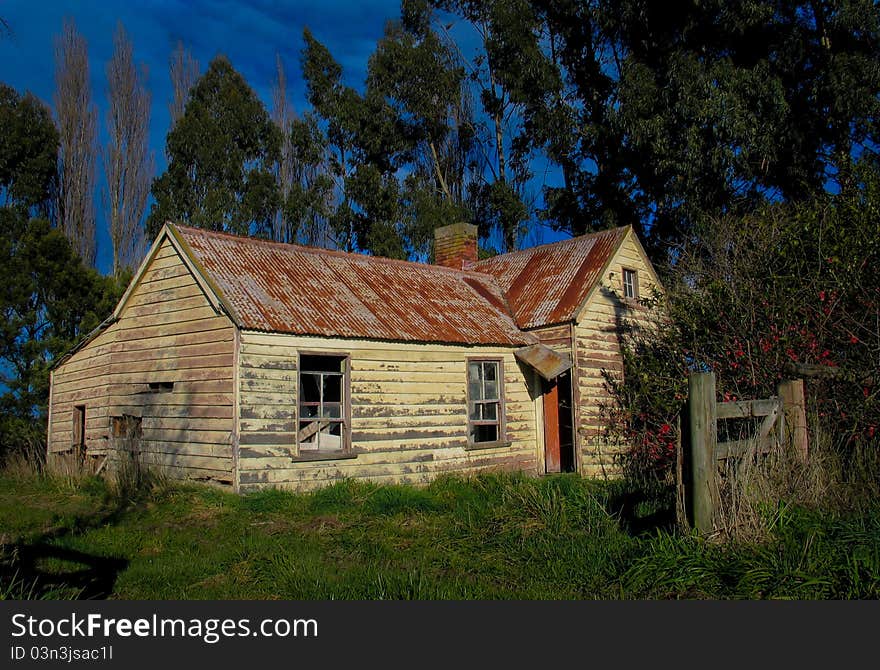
(320, 251)
(568, 240)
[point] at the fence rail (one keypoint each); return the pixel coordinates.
(784, 424)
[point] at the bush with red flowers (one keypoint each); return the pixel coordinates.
(790, 291)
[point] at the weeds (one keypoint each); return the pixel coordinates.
(27, 461)
(489, 536)
(756, 491)
(133, 476)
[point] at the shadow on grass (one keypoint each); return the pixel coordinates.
(642, 511)
(40, 569)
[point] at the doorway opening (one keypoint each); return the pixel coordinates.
(559, 425)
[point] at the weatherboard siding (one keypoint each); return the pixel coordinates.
(597, 348)
(556, 337)
(408, 413)
(167, 332)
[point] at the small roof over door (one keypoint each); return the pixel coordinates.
(547, 362)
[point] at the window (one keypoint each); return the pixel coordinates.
(161, 387)
(630, 284)
(485, 408)
(323, 425)
(127, 426)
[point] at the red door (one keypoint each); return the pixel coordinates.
(552, 452)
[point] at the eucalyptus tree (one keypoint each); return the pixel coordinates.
(366, 144)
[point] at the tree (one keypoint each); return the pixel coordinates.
(184, 72)
(422, 78)
(309, 203)
(571, 116)
(28, 151)
(222, 153)
(756, 299)
(509, 60)
(49, 299)
(366, 146)
(283, 117)
(338, 106)
(77, 127)
(128, 162)
(679, 113)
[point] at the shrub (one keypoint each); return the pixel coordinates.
(788, 290)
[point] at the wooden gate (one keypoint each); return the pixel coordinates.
(783, 423)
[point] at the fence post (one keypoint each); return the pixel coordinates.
(703, 427)
(791, 392)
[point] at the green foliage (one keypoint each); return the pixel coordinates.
(308, 202)
(753, 298)
(424, 210)
(418, 73)
(647, 401)
(49, 301)
(28, 150)
(222, 153)
(497, 206)
(660, 115)
(422, 78)
(675, 112)
(510, 74)
(48, 298)
(365, 146)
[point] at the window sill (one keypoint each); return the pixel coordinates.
(488, 445)
(325, 456)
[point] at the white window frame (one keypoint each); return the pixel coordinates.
(630, 288)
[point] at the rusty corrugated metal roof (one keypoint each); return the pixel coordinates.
(547, 284)
(291, 289)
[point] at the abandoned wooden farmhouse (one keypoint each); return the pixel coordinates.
(253, 364)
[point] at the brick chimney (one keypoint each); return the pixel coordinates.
(455, 245)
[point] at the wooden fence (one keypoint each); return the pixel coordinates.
(783, 425)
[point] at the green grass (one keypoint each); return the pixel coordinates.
(487, 537)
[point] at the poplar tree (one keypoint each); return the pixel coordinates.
(77, 127)
(48, 297)
(184, 72)
(128, 162)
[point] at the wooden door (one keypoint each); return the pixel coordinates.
(552, 451)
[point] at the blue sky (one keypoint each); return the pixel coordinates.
(249, 33)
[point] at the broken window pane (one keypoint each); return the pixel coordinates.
(310, 387)
(332, 388)
(309, 363)
(484, 433)
(309, 410)
(332, 410)
(490, 370)
(321, 425)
